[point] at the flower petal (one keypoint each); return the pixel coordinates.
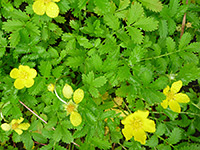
(52, 10)
(128, 119)
(19, 83)
(141, 114)
(29, 82)
(24, 68)
(165, 103)
(19, 131)
(75, 118)
(32, 73)
(166, 90)
(6, 127)
(140, 136)
(78, 96)
(181, 98)
(149, 125)
(39, 7)
(14, 73)
(126, 132)
(174, 105)
(67, 91)
(56, 0)
(176, 86)
(18, 120)
(24, 126)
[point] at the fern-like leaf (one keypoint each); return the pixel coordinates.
(154, 5)
(147, 24)
(175, 136)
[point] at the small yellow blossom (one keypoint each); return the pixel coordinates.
(67, 91)
(51, 87)
(136, 124)
(188, 25)
(24, 76)
(173, 98)
(48, 6)
(16, 125)
(70, 107)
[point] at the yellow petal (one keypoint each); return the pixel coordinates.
(19, 131)
(29, 82)
(17, 120)
(19, 84)
(128, 119)
(52, 10)
(32, 73)
(181, 98)
(174, 106)
(141, 114)
(78, 96)
(139, 135)
(24, 68)
(75, 118)
(166, 90)
(165, 103)
(24, 126)
(149, 125)
(67, 91)
(39, 7)
(56, 0)
(176, 86)
(51, 87)
(6, 127)
(127, 134)
(14, 73)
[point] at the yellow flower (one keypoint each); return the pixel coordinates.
(173, 98)
(48, 6)
(136, 124)
(24, 76)
(51, 87)
(16, 125)
(70, 107)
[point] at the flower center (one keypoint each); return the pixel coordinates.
(170, 95)
(70, 108)
(14, 126)
(137, 123)
(24, 75)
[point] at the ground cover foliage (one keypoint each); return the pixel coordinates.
(128, 56)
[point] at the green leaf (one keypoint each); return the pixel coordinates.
(57, 72)
(88, 79)
(135, 34)
(14, 38)
(160, 130)
(185, 40)
(94, 91)
(175, 136)
(153, 141)
(38, 86)
(103, 6)
(123, 73)
(83, 41)
(57, 135)
(13, 25)
(123, 4)
(102, 144)
(171, 26)
(107, 114)
(193, 47)
(138, 12)
(171, 45)
(152, 96)
(75, 61)
(53, 52)
(97, 62)
(81, 133)
(67, 37)
(154, 5)
(189, 57)
(136, 55)
(27, 140)
(45, 68)
(32, 28)
(100, 81)
(74, 24)
(112, 21)
(82, 4)
(173, 7)
(163, 28)
(66, 135)
(147, 24)
(39, 138)
(19, 15)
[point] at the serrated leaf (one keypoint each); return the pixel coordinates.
(74, 24)
(75, 61)
(19, 15)
(136, 55)
(185, 40)
(153, 141)
(97, 62)
(14, 38)
(102, 144)
(112, 21)
(102, 5)
(13, 25)
(147, 24)
(57, 135)
(123, 4)
(81, 133)
(66, 136)
(82, 4)
(100, 81)
(193, 47)
(57, 71)
(94, 91)
(37, 87)
(175, 136)
(83, 41)
(171, 45)
(171, 26)
(134, 13)
(136, 35)
(189, 57)
(123, 73)
(154, 5)
(160, 130)
(163, 28)
(32, 28)
(39, 138)
(152, 96)
(27, 140)
(45, 68)
(173, 7)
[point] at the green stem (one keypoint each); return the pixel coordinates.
(122, 146)
(196, 105)
(190, 113)
(166, 141)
